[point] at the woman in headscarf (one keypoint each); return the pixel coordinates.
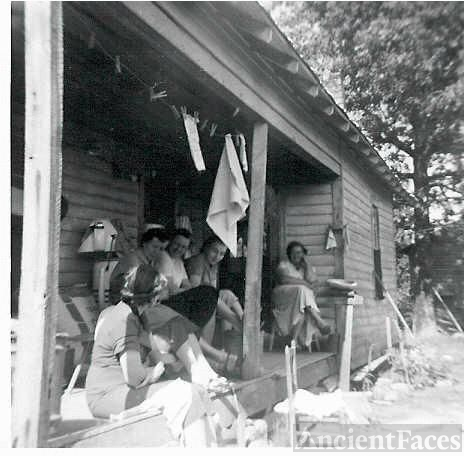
(127, 361)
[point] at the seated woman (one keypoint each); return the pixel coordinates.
(203, 269)
(119, 378)
(152, 243)
(294, 305)
(190, 300)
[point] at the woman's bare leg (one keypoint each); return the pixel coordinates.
(214, 353)
(207, 332)
(296, 330)
(320, 323)
(191, 356)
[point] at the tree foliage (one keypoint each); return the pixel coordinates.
(398, 68)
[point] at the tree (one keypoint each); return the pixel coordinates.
(400, 69)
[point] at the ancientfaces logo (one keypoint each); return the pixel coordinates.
(408, 438)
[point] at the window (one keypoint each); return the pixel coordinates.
(377, 254)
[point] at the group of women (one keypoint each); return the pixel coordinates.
(153, 346)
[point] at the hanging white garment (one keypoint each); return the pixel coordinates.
(230, 198)
(331, 240)
(191, 129)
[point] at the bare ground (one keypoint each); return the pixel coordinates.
(439, 404)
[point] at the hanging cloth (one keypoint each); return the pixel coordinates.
(230, 198)
(346, 237)
(331, 242)
(191, 129)
(243, 155)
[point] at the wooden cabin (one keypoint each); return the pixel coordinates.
(86, 121)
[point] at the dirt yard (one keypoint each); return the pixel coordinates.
(441, 403)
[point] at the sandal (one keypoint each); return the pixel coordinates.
(219, 386)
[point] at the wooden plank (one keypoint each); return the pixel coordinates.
(41, 223)
(86, 187)
(301, 199)
(310, 210)
(303, 220)
(306, 230)
(252, 313)
(145, 430)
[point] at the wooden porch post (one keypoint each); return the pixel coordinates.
(41, 223)
(252, 348)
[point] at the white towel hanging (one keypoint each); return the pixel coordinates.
(229, 199)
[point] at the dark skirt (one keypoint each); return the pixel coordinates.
(197, 304)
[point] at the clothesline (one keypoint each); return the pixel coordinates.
(154, 96)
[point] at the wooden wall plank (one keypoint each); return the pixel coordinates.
(92, 192)
(359, 193)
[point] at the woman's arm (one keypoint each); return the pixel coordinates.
(185, 285)
(310, 273)
(194, 268)
(135, 373)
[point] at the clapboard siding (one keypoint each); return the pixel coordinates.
(359, 194)
(92, 192)
(307, 214)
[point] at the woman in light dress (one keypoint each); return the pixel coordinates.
(294, 305)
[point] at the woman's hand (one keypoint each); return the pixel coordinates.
(154, 373)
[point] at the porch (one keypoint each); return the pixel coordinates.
(80, 430)
(114, 165)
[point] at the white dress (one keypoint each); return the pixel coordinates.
(290, 301)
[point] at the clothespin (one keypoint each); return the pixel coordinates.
(203, 125)
(236, 111)
(196, 116)
(155, 96)
(213, 129)
(175, 112)
(91, 43)
(183, 110)
(117, 62)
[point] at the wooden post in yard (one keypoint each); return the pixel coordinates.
(41, 223)
(345, 360)
(252, 349)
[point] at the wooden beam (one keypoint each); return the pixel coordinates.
(41, 223)
(273, 54)
(252, 349)
(262, 33)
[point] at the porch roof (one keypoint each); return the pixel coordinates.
(267, 41)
